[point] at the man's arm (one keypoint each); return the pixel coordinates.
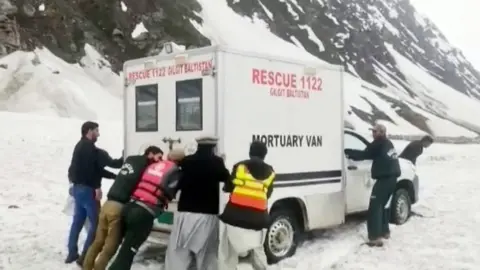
(107, 174)
(228, 187)
(223, 173)
(270, 189)
(105, 160)
(369, 153)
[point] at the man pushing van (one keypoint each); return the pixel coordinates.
(156, 188)
(109, 231)
(246, 213)
(385, 170)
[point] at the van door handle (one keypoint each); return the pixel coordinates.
(171, 142)
(352, 167)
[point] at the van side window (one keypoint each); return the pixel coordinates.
(189, 105)
(352, 142)
(146, 108)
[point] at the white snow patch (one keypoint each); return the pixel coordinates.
(41, 7)
(39, 82)
(313, 37)
(297, 42)
(242, 33)
(123, 6)
(139, 29)
(331, 17)
(269, 14)
(297, 5)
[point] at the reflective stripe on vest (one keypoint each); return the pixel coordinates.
(148, 189)
(248, 191)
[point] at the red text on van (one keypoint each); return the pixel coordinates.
(172, 70)
(286, 84)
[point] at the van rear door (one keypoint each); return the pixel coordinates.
(173, 109)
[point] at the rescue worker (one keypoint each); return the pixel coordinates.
(109, 230)
(156, 188)
(195, 227)
(385, 170)
(415, 149)
(86, 170)
(246, 213)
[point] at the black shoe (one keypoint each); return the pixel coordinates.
(71, 258)
(80, 260)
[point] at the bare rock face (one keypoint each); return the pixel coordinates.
(64, 26)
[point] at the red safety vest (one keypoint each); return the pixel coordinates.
(148, 189)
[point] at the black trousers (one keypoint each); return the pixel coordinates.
(378, 217)
(138, 223)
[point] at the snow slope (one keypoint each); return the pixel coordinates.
(41, 83)
(34, 229)
(244, 33)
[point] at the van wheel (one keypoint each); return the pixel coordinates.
(401, 206)
(281, 239)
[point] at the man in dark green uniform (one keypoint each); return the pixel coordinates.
(385, 170)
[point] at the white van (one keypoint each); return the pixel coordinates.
(295, 107)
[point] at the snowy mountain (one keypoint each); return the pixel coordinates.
(402, 70)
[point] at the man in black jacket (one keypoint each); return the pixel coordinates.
(195, 229)
(415, 149)
(85, 172)
(109, 230)
(385, 170)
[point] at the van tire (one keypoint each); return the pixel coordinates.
(401, 206)
(284, 228)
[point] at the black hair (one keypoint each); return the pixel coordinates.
(258, 149)
(427, 138)
(152, 149)
(87, 126)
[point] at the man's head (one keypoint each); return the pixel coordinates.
(153, 153)
(206, 144)
(379, 131)
(90, 131)
(176, 155)
(426, 141)
(258, 150)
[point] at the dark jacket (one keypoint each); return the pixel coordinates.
(199, 188)
(127, 178)
(88, 163)
(247, 218)
(385, 161)
(412, 151)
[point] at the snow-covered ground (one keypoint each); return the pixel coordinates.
(36, 152)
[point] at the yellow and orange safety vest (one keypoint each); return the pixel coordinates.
(249, 192)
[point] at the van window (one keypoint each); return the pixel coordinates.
(189, 115)
(353, 142)
(146, 108)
